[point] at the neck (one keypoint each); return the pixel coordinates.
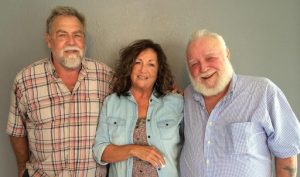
(141, 94)
(142, 99)
(68, 76)
(212, 101)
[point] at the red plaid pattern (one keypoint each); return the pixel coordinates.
(60, 125)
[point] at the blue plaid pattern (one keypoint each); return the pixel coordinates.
(250, 124)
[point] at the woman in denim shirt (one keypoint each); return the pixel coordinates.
(138, 131)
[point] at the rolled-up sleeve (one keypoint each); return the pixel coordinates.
(284, 131)
(17, 112)
(102, 137)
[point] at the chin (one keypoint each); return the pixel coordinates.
(71, 63)
(204, 89)
(220, 83)
(209, 89)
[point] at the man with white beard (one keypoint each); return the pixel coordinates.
(234, 124)
(56, 102)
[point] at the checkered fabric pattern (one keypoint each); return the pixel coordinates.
(60, 125)
(238, 138)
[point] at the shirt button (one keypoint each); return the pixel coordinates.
(150, 100)
(210, 123)
(207, 162)
(148, 136)
(148, 120)
(208, 142)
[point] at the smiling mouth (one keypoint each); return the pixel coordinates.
(71, 51)
(207, 76)
(142, 77)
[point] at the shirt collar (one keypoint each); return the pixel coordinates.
(152, 97)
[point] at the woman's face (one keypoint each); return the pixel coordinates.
(144, 71)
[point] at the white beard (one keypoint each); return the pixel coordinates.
(72, 61)
(224, 78)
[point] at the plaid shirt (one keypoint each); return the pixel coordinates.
(60, 125)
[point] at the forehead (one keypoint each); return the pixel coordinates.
(203, 47)
(148, 54)
(66, 22)
(205, 44)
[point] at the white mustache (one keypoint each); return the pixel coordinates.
(71, 48)
(207, 73)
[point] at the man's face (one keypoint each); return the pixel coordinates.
(209, 67)
(66, 41)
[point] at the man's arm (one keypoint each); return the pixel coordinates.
(286, 167)
(21, 150)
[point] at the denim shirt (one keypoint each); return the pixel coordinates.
(116, 126)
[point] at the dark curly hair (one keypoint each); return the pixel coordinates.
(121, 80)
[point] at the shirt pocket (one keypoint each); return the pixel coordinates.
(40, 110)
(169, 127)
(116, 130)
(242, 137)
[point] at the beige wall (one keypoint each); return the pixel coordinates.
(263, 37)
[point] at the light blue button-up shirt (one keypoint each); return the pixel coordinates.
(250, 124)
(116, 126)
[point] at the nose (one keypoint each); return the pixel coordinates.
(204, 67)
(142, 67)
(70, 40)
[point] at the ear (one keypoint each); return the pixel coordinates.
(228, 53)
(47, 39)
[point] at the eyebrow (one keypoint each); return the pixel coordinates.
(192, 60)
(148, 59)
(63, 31)
(211, 54)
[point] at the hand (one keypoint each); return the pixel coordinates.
(149, 154)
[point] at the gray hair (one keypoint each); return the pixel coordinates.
(205, 33)
(64, 11)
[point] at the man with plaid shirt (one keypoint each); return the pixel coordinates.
(55, 104)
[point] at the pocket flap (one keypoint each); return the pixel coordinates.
(116, 121)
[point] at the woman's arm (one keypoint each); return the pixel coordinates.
(114, 153)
